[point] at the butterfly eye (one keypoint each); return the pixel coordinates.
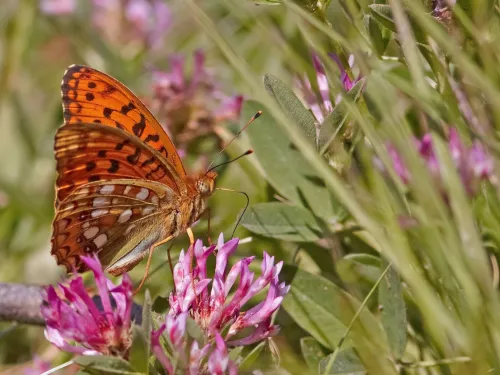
(202, 187)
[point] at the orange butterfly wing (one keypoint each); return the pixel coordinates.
(93, 152)
(90, 96)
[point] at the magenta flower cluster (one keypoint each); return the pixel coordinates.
(473, 163)
(121, 21)
(219, 310)
(191, 103)
(72, 316)
(215, 309)
(75, 323)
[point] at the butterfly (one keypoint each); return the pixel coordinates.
(121, 187)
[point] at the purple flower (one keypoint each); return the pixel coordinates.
(58, 7)
(38, 366)
(213, 309)
(320, 100)
(191, 105)
(72, 316)
(473, 163)
(211, 358)
(132, 21)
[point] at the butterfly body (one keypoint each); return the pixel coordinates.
(121, 186)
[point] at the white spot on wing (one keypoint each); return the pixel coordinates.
(154, 199)
(62, 224)
(99, 212)
(107, 189)
(125, 216)
(147, 210)
(100, 240)
(91, 233)
(127, 231)
(69, 206)
(100, 201)
(84, 191)
(143, 194)
(86, 224)
(127, 190)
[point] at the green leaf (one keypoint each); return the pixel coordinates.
(234, 354)
(105, 365)
(383, 14)
(354, 267)
(347, 362)
(376, 35)
(248, 362)
(291, 105)
(283, 221)
(285, 167)
(194, 330)
(312, 351)
(139, 351)
(147, 321)
(317, 305)
(160, 305)
(334, 121)
(393, 311)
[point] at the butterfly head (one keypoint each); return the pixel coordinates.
(205, 185)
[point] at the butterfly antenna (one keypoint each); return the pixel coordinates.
(256, 116)
(244, 210)
(248, 152)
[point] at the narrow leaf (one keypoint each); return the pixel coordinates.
(251, 358)
(317, 305)
(105, 364)
(283, 221)
(347, 362)
(393, 311)
(383, 14)
(147, 321)
(291, 105)
(139, 351)
(312, 351)
(286, 168)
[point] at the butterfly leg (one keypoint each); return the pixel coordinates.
(148, 264)
(191, 257)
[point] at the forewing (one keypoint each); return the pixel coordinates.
(93, 152)
(112, 219)
(91, 96)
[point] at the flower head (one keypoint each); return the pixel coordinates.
(212, 358)
(38, 366)
(190, 105)
(214, 309)
(58, 7)
(138, 21)
(473, 163)
(72, 316)
(320, 100)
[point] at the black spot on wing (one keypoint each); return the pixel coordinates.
(132, 159)
(139, 127)
(90, 165)
(152, 138)
(115, 165)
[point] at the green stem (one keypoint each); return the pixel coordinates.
(439, 362)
